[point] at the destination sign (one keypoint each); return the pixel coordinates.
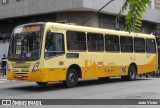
(26, 29)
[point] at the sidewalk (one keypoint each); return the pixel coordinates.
(1, 74)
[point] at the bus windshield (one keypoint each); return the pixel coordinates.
(25, 44)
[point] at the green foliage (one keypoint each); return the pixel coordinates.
(133, 20)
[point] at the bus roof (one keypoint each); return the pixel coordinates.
(97, 30)
(90, 29)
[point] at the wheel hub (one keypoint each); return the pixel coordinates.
(71, 78)
(132, 73)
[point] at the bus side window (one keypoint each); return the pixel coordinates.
(112, 43)
(76, 41)
(126, 44)
(95, 42)
(150, 46)
(54, 44)
(139, 45)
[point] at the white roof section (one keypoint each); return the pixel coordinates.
(95, 30)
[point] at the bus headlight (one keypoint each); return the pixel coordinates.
(35, 67)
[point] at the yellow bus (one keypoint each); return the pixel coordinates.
(49, 52)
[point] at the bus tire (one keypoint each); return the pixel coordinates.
(42, 83)
(71, 78)
(132, 72)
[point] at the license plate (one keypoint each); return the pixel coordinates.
(19, 76)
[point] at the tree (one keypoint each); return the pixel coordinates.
(133, 20)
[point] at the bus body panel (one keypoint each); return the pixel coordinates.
(92, 64)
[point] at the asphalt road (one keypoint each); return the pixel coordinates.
(115, 88)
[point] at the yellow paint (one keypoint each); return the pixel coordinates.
(149, 67)
(36, 76)
(89, 71)
(56, 74)
(92, 64)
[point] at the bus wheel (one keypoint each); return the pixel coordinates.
(71, 78)
(42, 83)
(132, 71)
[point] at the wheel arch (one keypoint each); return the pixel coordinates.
(135, 65)
(77, 68)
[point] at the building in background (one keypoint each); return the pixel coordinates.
(17, 12)
(157, 7)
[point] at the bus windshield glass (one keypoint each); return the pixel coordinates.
(25, 43)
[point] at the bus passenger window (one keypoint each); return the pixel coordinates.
(126, 44)
(76, 41)
(54, 44)
(95, 42)
(150, 46)
(112, 43)
(139, 45)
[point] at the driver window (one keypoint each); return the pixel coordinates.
(54, 44)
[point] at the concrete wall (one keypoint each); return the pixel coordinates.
(157, 4)
(78, 18)
(30, 7)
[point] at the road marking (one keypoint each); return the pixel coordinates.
(2, 80)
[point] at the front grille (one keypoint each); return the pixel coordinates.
(15, 65)
(20, 67)
(20, 70)
(15, 71)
